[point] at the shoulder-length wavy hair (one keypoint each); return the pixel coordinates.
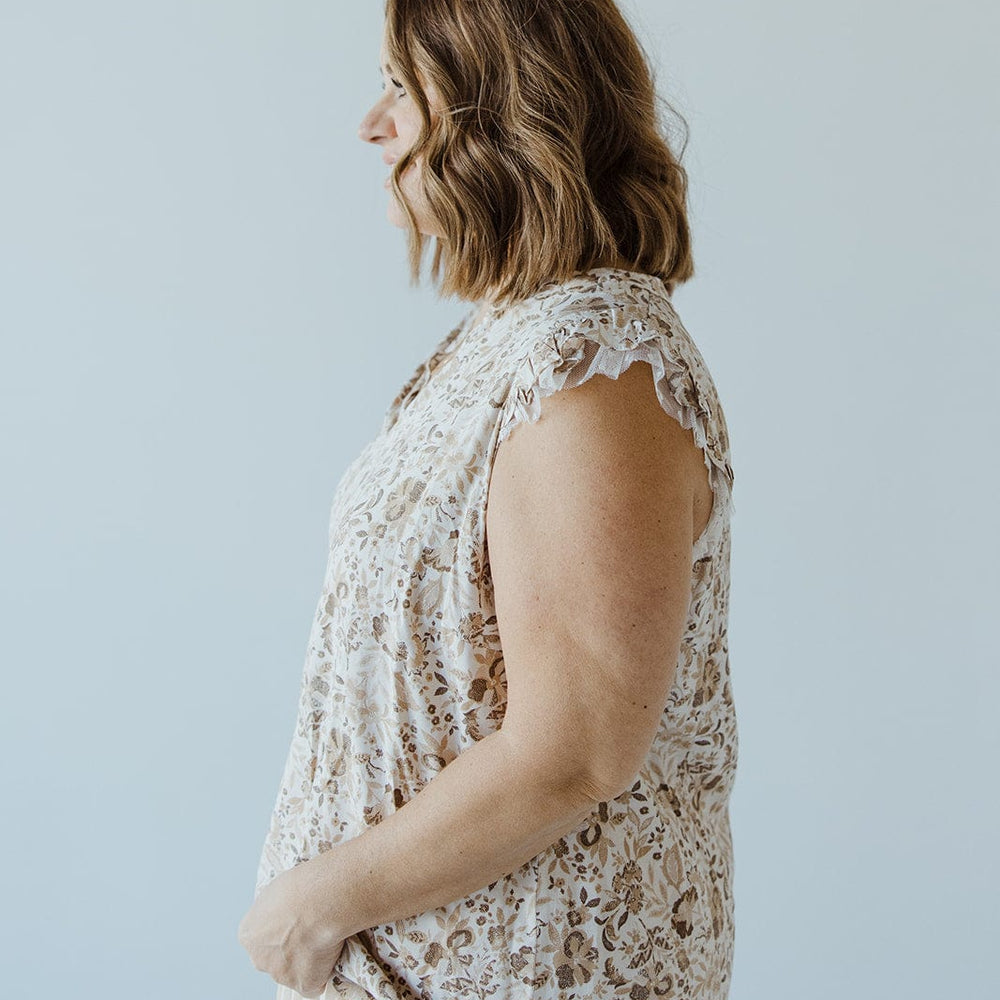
(548, 156)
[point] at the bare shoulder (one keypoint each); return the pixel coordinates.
(590, 533)
(632, 449)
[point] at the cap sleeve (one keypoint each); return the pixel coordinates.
(585, 345)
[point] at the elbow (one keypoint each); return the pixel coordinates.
(608, 767)
(561, 770)
(595, 780)
(614, 783)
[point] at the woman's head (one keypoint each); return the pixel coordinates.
(530, 145)
(394, 123)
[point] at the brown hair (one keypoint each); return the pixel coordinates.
(548, 156)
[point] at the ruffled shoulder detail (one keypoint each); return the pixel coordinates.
(600, 323)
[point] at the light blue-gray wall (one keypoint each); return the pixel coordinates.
(204, 314)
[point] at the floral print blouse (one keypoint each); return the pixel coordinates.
(404, 671)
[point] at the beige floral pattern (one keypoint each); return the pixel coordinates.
(404, 671)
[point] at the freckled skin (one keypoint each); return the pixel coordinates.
(604, 622)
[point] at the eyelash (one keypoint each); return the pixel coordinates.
(396, 83)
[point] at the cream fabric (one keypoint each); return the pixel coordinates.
(404, 671)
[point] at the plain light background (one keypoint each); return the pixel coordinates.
(204, 315)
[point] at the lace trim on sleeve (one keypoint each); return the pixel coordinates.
(586, 347)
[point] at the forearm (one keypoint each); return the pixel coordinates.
(484, 815)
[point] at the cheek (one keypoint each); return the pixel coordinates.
(408, 135)
(409, 121)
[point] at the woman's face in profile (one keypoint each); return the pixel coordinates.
(393, 123)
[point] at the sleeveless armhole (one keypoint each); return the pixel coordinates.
(583, 347)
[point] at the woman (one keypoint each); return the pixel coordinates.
(516, 741)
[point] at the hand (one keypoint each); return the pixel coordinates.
(289, 934)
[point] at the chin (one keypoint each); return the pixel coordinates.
(395, 216)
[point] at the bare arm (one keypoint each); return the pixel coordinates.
(590, 536)
(483, 816)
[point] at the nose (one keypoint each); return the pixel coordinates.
(376, 124)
